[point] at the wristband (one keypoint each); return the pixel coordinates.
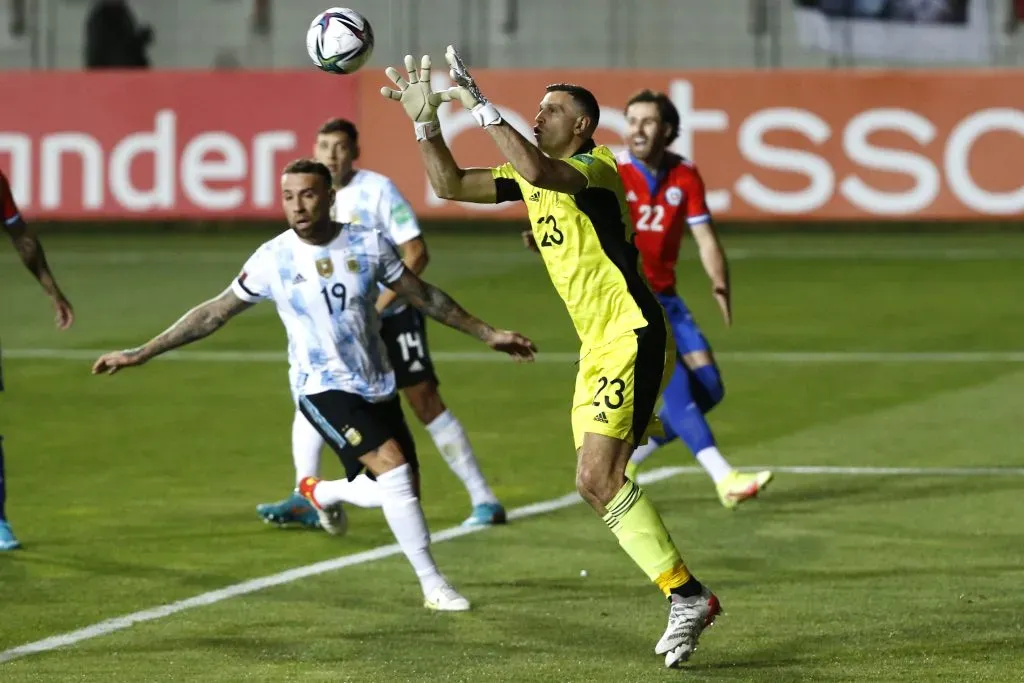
(486, 114)
(427, 129)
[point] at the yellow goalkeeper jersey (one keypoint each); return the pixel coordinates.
(586, 241)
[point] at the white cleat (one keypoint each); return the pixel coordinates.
(333, 519)
(687, 619)
(445, 598)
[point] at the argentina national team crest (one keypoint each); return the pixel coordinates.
(353, 436)
(352, 265)
(325, 267)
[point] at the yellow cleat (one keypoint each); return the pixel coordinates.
(738, 487)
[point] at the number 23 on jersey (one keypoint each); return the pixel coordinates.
(551, 234)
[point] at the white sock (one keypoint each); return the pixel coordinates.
(450, 438)
(643, 451)
(405, 517)
(362, 492)
(306, 446)
(714, 464)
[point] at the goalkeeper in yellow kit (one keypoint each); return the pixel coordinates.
(581, 222)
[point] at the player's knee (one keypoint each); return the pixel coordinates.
(586, 483)
(425, 401)
(596, 485)
(386, 458)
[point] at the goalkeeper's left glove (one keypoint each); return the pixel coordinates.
(418, 100)
(467, 92)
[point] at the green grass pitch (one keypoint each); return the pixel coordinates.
(138, 490)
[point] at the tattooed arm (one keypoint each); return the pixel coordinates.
(415, 257)
(439, 306)
(442, 308)
(200, 322)
(30, 251)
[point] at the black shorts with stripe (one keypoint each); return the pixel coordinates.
(354, 426)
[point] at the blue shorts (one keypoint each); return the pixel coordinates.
(688, 336)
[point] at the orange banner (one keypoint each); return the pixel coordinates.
(771, 144)
(160, 144)
(781, 144)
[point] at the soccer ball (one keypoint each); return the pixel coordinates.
(339, 40)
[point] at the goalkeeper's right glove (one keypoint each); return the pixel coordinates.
(418, 100)
(467, 92)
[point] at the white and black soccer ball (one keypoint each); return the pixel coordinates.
(339, 40)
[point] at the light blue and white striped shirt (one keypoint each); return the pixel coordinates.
(325, 297)
(371, 198)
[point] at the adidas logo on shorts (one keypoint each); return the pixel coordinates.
(535, 197)
(298, 279)
(601, 417)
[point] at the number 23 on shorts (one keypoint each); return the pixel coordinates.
(611, 393)
(603, 404)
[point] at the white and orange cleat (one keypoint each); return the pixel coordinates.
(687, 619)
(738, 487)
(333, 519)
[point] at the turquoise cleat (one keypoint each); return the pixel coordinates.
(7, 539)
(486, 514)
(293, 510)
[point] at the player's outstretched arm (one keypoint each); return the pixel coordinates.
(420, 103)
(30, 250)
(452, 182)
(712, 256)
(442, 308)
(533, 165)
(200, 322)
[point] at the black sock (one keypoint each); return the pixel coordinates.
(691, 588)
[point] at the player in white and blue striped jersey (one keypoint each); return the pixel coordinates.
(323, 278)
(369, 198)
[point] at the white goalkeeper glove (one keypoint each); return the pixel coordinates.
(467, 92)
(418, 100)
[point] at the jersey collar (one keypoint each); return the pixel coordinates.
(587, 147)
(653, 180)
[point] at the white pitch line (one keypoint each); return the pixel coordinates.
(884, 471)
(796, 357)
(544, 507)
(874, 356)
(120, 623)
(869, 254)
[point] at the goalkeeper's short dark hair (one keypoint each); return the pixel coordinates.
(582, 97)
(666, 110)
(310, 166)
(339, 125)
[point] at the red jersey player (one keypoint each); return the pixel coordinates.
(31, 253)
(666, 198)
